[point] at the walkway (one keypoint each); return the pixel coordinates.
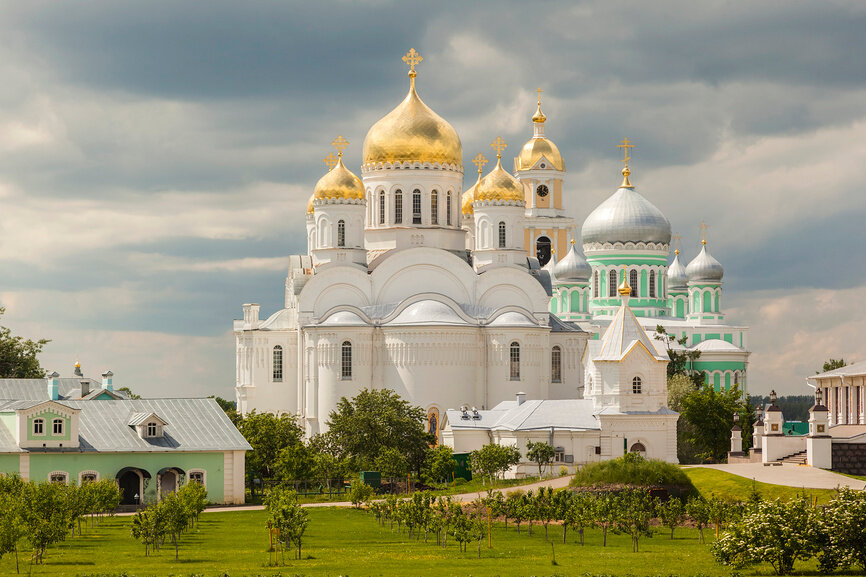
(790, 475)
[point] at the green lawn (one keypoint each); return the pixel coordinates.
(350, 542)
(728, 486)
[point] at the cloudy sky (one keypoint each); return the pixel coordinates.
(156, 157)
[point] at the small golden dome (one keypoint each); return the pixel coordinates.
(499, 185)
(624, 289)
(412, 132)
(339, 183)
(310, 207)
(539, 115)
(469, 196)
(534, 149)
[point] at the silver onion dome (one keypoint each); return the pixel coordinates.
(550, 266)
(705, 268)
(677, 277)
(573, 267)
(626, 217)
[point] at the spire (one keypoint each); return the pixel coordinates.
(677, 244)
(539, 116)
(624, 288)
(626, 144)
(704, 226)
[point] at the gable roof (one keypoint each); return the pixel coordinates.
(572, 414)
(623, 334)
(37, 389)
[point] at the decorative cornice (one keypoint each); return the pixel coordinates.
(411, 165)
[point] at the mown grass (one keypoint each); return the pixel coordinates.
(350, 542)
(732, 487)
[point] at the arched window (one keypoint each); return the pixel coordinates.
(434, 207)
(501, 234)
(57, 426)
(632, 280)
(636, 385)
(638, 448)
(278, 364)
(556, 365)
(652, 284)
(38, 427)
(382, 207)
(611, 283)
(341, 233)
(448, 208)
(543, 250)
(398, 207)
(416, 206)
(514, 358)
(346, 360)
(595, 284)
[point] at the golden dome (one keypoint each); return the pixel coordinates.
(499, 185)
(339, 183)
(412, 132)
(469, 196)
(538, 146)
(310, 206)
(539, 115)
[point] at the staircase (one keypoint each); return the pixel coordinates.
(795, 459)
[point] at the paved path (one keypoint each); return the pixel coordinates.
(556, 483)
(790, 475)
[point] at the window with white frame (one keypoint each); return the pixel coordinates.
(58, 477)
(278, 364)
(416, 206)
(152, 429)
(636, 385)
(556, 365)
(341, 233)
(514, 361)
(382, 207)
(501, 234)
(448, 208)
(38, 426)
(197, 476)
(57, 426)
(434, 207)
(398, 206)
(346, 360)
(88, 477)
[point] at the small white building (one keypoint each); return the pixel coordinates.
(624, 409)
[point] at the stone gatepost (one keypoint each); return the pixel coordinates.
(819, 444)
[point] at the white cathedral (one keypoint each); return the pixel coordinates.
(413, 285)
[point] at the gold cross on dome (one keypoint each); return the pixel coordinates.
(704, 226)
(331, 160)
(539, 91)
(498, 145)
(626, 144)
(412, 58)
(677, 243)
(340, 143)
(480, 160)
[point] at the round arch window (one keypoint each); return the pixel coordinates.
(638, 448)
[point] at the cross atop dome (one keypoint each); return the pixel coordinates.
(704, 226)
(677, 243)
(626, 144)
(480, 160)
(412, 58)
(539, 116)
(340, 143)
(498, 145)
(331, 160)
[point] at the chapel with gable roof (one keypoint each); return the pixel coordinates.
(456, 298)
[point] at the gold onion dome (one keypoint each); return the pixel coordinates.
(499, 185)
(624, 289)
(412, 132)
(339, 183)
(539, 146)
(469, 195)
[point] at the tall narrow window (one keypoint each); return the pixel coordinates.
(636, 385)
(346, 360)
(341, 233)
(514, 358)
(611, 283)
(278, 364)
(632, 280)
(652, 282)
(151, 429)
(398, 207)
(38, 427)
(448, 208)
(434, 207)
(501, 235)
(556, 365)
(57, 426)
(382, 207)
(595, 284)
(416, 206)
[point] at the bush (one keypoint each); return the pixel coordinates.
(632, 469)
(360, 493)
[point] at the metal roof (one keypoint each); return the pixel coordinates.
(573, 414)
(622, 335)
(194, 425)
(847, 371)
(37, 389)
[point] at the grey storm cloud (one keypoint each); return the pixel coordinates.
(155, 157)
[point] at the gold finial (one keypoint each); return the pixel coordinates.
(340, 143)
(626, 144)
(539, 91)
(77, 364)
(572, 242)
(480, 160)
(704, 227)
(498, 145)
(624, 289)
(331, 160)
(412, 58)
(677, 243)
(539, 115)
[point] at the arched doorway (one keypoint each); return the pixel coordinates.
(542, 250)
(638, 448)
(169, 480)
(129, 482)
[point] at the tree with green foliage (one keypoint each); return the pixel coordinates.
(777, 533)
(295, 463)
(375, 420)
(492, 460)
(635, 470)
(392, 464)
(540, 453)
(711, 416)
(699, 512)
(636, 508)
(46, 516)
(671, 514)
(581, 513)
(682, 359)
(148, 527)
(605, 514)
(514, 508)
(268, 435)
(679, 387)
(360, 493)
(177, 518)
(441, 463)
(230, 408)
(287, 515)
(830, 365)
(545, 507)
(193, 496)
(18, 356)
(842, 527)
(12, 527)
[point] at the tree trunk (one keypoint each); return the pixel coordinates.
(564, 531)
(604, 533)
(581, 535)
(545, 531)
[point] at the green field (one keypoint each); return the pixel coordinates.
(733, 487)
(350, 542)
